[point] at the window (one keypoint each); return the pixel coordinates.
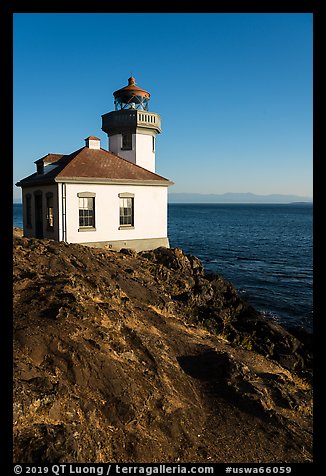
(86, 212)
(28, 211)
(49, 211)
(153, 144)
(126, 141)
(126, 210)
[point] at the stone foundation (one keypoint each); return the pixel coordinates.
(136, 245)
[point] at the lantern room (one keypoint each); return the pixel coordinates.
(131, 97)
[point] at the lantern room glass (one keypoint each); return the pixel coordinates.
(132, 102)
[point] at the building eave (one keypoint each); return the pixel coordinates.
(35, 182)
(108, 181)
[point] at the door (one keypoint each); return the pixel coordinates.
(38, 216)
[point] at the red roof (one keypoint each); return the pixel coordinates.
(49, 158)
(95, 165)
(131, 90)
(99, 163)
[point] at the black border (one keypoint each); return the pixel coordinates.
(8, 9)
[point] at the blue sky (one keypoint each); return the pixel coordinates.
(234, 92)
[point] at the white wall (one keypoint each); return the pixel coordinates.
(145, 157)
(30, 232)
(115, 147)
(150, 213)
(48, 168)
(142, 150)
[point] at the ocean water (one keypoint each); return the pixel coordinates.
(18, 215)
(265, 250)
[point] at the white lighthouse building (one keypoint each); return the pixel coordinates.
(106, 198)
(131, 128)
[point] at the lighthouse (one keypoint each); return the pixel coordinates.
(103, 198)
(131, 127)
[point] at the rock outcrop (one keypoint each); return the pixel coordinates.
(142, 357)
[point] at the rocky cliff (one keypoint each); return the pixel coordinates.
(127, 357)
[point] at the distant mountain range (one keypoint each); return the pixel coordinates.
(229, 198)
(235, 198)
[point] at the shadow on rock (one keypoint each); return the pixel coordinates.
(222, 378)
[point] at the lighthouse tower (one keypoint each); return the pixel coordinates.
(131, 128)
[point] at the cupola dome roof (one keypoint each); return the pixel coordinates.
(131, 90)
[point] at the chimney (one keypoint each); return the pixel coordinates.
(93, 142)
